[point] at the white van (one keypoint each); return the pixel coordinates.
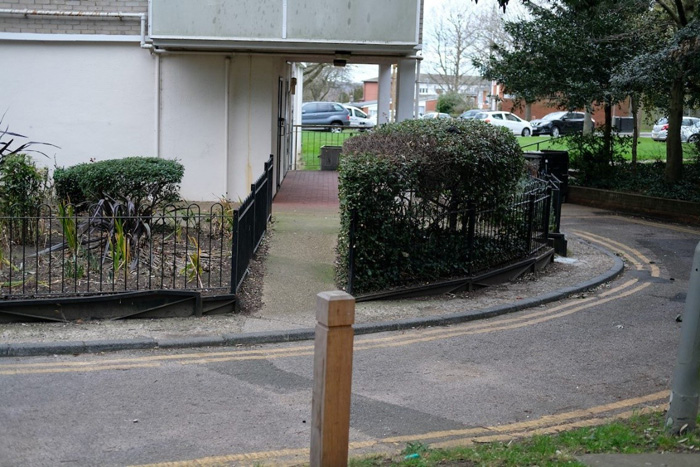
(359, 119)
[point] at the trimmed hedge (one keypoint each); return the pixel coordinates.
(142, 180)
(410, 185)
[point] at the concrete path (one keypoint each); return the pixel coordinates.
(301, 255)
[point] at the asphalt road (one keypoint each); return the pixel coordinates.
(576, 362)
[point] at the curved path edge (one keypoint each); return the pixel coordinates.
(78, 347)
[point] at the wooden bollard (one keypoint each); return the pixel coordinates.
(330, 405)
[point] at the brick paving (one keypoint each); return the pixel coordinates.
(308, 190)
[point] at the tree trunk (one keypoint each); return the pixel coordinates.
(587, 122)
(674, 149)
(528, 111)
(635, 130)
(607, 132)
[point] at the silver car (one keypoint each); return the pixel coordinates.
(660, 130)
(691, 134)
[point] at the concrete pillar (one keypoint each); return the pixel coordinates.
(405, 89)
(384, 95)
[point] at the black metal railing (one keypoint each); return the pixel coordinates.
(52, 252)
(470, 241)
(63, 251)
(250, 224)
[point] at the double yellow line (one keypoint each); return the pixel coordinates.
(547, 424)
(527, 318)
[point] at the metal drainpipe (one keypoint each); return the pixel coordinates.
(157, 109)
(227, 96)
(416, 102)
(87, 14)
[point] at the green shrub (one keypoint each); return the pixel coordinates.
(451, 103)
(587, 155)
(411, 186)
(22, 186)
(144, 181)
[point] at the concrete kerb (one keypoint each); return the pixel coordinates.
(55, 348)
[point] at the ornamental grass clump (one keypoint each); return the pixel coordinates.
(413, 188)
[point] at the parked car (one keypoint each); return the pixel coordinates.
(559, 123)
(331, 115)
(691, 133)
(506, 119)
(659, 131)
(430, 115)
(359, 119)
(469, 114)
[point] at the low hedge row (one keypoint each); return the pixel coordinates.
(142, 180)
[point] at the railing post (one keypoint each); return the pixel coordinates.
(683, 411)
(530, 220)
(268, 208)
(546, 214)
(234, 251)
(330, 406)
(471, 209)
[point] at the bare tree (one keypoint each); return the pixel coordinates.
(320, 79)
(453, 38)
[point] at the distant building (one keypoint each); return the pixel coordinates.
(476, 91)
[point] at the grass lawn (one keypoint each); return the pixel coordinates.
(647, 149)
(312, 141)
(639, 434)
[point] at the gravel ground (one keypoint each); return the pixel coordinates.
(584, 262)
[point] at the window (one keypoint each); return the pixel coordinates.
(497, 116)
(512, 118)
(336, 107)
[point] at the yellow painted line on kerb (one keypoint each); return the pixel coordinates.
(655, 272)
(548, 424)
(405, 339)
(657, 225)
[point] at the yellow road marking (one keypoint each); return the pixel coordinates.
(632, 258)
(306, 350)
(655, 272)
(543, 425)
(548, 430)
(659, 225)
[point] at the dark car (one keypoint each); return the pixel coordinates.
(331, 115)
(558, 123)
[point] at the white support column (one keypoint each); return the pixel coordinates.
(384, 95)
(405, 89)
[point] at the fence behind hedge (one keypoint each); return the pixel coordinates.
(419, 242)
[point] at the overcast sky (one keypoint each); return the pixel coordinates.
(432, 12)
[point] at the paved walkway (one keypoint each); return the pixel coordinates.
(301, 256)
(311, 190)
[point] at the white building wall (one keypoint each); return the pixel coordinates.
(92, 100)
(253, 118)
(192, 122)
(99, 101)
